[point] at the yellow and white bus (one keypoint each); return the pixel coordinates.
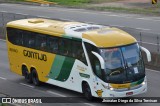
(96, 60)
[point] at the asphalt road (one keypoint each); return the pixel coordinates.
(147, 25)
(14, 85)
(108, 18)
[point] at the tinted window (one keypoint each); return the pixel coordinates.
(65, 47)
(41, 43)
(62, 46)
(29, 39)
(15, 36)
(77, 51)
(52, 44)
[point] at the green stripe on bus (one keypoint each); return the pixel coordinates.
(137, 82)
(66, 36)
(69, 37)
(140, 81)
(77, 39)
(66, 69)
(84, 75)
(56, 66)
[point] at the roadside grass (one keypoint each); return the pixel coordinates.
(127, 10)
(151, 10)
(74, 2)
(70, 2)
(77, 2)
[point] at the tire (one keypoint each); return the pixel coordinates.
(35, 78)
(26, 74)
(87, 92)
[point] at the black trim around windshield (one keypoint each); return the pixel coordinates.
(117, 46)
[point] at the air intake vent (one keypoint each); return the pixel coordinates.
(36, 21)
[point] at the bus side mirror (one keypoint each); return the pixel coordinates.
(147, 53)
(99, 58)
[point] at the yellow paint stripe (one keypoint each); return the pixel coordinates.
(119, 86)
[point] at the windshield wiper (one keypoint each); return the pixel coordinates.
(129, 71)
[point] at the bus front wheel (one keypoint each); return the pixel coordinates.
(35, 78)
(87, 91)
(26, 74)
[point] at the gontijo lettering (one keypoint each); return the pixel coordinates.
(34, 55)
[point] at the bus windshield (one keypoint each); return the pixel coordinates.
(123, 64)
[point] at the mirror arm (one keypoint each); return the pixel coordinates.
(147, 53)
(100, 59)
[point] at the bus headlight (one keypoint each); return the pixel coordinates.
(111, 89)
(143, 83)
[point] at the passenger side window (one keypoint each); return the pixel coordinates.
(41, 43)
(62, 46)
(65, 47)
(77, 51)
(29, 39)
(10, 34)
(52, 44)
(19, 37)
(15, 36)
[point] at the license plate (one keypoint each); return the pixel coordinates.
(129, 93)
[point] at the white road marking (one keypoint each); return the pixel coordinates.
(156, 17)
(3, 78)
(143, 18)
(51, 92)
(89, 104)
(113, 15)
(153, 70)
(34, 7)
(3, 40)
(131, 27)
(4, 11)
(15, 13)
(117, 26)
(148, 43)
(102, 12)
(22, 14)
(66, 19)
(151, 19)
(143, 29)
(27, 85)
(124, 16)
(91, 23)
(4, 4)
(43, 17)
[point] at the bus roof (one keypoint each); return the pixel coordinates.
(100, 36)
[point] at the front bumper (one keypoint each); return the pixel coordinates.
(126, 93)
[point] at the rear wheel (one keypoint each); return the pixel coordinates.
(35, 78)
(26, 74)
(87, 91)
